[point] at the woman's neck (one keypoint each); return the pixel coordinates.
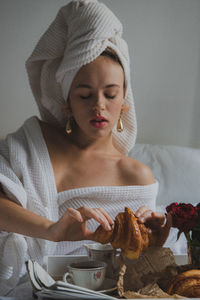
(77, 142)
(89, 144)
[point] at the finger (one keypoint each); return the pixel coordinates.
(159, 217)
(140, 211)
(146, 216)
(88, 213)
(75, 214)
(154, 220)
(110, 220)
(168, 223)
(103, 219)
(165, 230)
(90, 236)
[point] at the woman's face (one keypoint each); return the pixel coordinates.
(96, 97)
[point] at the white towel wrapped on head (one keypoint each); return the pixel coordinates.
(81, 31)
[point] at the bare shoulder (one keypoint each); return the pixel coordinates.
(135, 172)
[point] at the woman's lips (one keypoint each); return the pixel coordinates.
(98, 122)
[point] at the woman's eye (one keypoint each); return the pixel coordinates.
(85, 96)
(110, 96)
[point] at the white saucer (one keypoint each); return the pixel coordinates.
(108, 286)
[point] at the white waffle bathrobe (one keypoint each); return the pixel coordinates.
(26, 176)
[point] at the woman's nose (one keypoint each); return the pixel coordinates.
(99, 104)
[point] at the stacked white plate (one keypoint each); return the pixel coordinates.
(45, 286)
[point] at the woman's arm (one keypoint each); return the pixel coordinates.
(72, 226)
(15, 218)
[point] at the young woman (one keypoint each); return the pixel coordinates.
(65, 174)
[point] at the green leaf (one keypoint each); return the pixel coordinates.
(178, 235)
(188, 238)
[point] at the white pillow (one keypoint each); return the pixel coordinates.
(177, 170)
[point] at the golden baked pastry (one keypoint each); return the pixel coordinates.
(128, 234)
(186, 284)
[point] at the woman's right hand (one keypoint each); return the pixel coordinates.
(158, 223)
(72, 226)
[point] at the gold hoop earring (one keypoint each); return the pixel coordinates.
(120, 126)
(68, 127)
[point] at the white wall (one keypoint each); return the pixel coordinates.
(164, 43)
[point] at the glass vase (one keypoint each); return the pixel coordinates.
(193, 254)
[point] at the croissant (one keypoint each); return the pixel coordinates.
(128, 234)
(186, 284)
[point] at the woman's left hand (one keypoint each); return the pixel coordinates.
(158, 223)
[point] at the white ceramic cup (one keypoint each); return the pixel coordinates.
(107, 254)
(88, 274)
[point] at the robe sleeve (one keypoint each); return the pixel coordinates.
(10, 182)
(13, 247)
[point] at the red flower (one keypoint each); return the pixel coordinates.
(184, 216)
